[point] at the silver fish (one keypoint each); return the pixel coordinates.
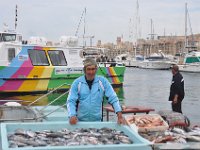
(179, 131)
(193, 138)
(65, 137)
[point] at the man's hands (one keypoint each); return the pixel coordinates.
(175, 100)
(73, 120)
(120, 119)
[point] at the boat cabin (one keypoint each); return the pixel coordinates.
(10, 46)
(192, 57)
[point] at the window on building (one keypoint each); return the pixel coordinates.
(57, 58)
(11, 54)
(38, 58)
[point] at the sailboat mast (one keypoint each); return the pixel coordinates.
(186, 42)
(137, 27)
(84, 42)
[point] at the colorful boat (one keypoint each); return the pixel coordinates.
(38, 68)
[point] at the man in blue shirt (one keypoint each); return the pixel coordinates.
(88, 91)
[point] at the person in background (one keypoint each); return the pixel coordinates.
(177, 92)
(88, 91)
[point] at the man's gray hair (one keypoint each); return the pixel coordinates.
(89, 62)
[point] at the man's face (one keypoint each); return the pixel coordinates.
(173, 71)
(90, 72)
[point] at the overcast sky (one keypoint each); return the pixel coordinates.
(106, 19)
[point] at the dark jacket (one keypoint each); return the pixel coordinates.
(177, 87)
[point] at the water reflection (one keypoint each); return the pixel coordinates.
(48, 98)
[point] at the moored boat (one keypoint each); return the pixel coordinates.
(191, 62)
(156, 61)
(38, 68)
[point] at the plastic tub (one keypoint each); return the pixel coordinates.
(138, 142)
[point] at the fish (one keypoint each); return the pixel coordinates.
(146, 121)
(178, 130)
(66, 137)
(180, 140)
(193, 138)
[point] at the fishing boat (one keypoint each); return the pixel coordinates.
(38, 68)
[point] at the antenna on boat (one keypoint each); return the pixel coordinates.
(16, 17)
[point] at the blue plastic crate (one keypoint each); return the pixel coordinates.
(138, 142)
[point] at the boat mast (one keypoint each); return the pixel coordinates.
(186, 39)
(84, 42)
(151, 35)
(137, 27)
(84, 28)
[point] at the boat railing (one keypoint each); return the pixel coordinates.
(38, 99)
(37, 115)
(54, 101)
(109, 64)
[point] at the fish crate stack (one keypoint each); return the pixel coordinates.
(146, 122)
(63, 136)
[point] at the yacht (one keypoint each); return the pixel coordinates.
(191, 62)
(156, 61)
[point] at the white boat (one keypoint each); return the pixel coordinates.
(129, 61)
(156, 61)
(191, 62)
(135, 61)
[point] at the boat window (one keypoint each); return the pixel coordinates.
(11, 54)
(38, 57)
(192, 60)
(57, 58)
(0, 37)
(8, 37)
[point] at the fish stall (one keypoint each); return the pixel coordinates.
(62, 135)
(162, 136)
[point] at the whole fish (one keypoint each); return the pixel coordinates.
(65, 137)
(193, 138)
(178, 130)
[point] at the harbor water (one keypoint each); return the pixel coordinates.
(142, 87)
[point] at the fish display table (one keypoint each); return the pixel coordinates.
(128, 109)
(7, 129)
